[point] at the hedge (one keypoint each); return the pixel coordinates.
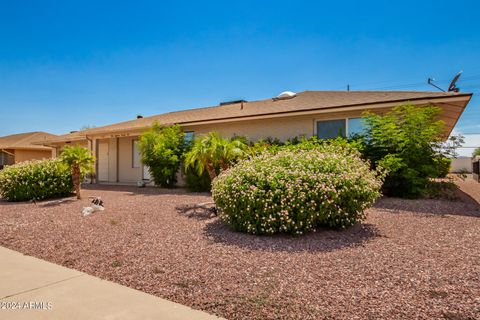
(38, 179)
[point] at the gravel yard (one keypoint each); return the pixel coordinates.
(411, 259)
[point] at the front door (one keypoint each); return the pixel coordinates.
(146, 173)
(102, 173)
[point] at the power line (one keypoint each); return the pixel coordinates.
(411, 84)
(469, 147)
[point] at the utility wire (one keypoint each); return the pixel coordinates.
(409, 85)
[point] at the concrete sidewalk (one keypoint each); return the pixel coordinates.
(31, 288)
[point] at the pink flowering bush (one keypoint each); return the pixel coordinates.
(297, 190)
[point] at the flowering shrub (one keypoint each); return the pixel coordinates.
(35, 180)
(296, 190)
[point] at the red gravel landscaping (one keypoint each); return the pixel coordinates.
(411, 259)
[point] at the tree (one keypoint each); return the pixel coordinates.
(161, 150)
(408, 143)
(80, 161)
(212, 152)
(476, 152)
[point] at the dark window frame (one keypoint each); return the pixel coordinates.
(345, 125)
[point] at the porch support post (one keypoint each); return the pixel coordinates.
(94, 149)
(117, 159)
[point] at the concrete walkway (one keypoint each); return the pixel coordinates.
(31, 288)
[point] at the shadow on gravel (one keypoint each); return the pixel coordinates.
(199, 211)
(464, 206)
(133, 190)
(4, 202)
(55, 203)
(322, 240)
(52, 202)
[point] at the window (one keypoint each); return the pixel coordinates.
(136, 163)
(331, 129)
(189, 136)
(355, 126)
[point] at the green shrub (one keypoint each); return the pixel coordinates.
(304, 143)
(196, 182)
(409, 143)
(296, 190)
(443, 166)
(476, 152)
(35, 180)
(442, 190)
(162, 150)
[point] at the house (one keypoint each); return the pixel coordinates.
(17, 148)
(461, 165)
(309, 113)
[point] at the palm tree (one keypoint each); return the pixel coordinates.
(80, 160)
(212, 151)
(232, 151)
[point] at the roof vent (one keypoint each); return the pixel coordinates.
(232, 102)
(285, 95)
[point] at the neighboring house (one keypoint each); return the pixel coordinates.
(309, 113)
(17, 148)
(476, 168)
(461, 164)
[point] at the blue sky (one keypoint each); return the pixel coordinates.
(69, 64)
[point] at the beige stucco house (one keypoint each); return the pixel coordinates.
(309, 113)
(17, 148)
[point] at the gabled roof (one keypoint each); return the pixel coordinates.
(303, 101)
(71, 137)
(307, 100)
(24, 140)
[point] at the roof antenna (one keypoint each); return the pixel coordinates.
(453, 85)
(451, 88)
(430, 82)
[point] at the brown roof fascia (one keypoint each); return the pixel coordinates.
(428, 99)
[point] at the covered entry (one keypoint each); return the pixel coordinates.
(102, 161)
(118, 161)
(6, 158)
